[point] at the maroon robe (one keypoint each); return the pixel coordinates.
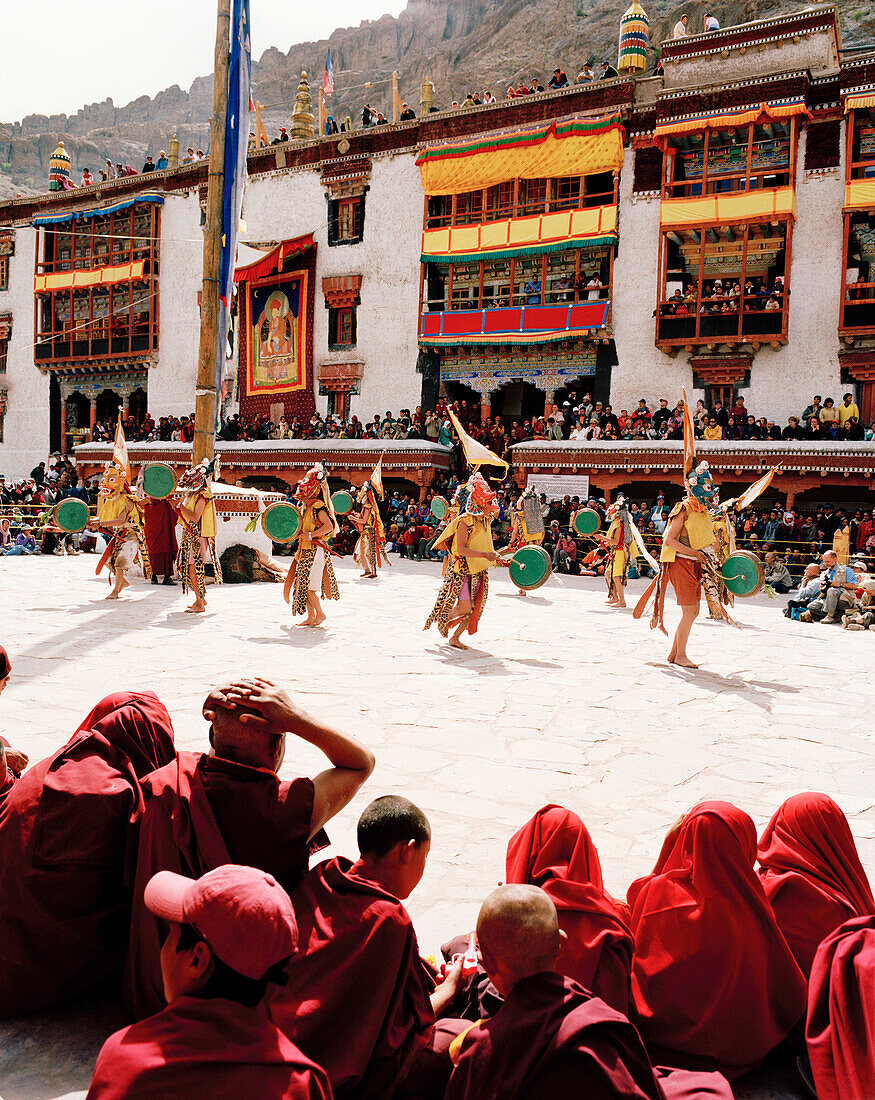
(160, 531)
(202, 812)
(358, 997)
(64, 833)
(205, 1048)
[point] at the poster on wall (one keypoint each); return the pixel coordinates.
(557, 486)
(277, 338)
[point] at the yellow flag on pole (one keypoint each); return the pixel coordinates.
(689, 438)
(475, 453)
(376, 478)
(120, 448)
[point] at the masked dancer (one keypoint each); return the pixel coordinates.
(370, 550)
(197, 514)
(119, 512)
(470, 552)
(311, 571)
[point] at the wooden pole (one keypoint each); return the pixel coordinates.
(205, 394)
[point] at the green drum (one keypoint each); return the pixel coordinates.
(439, 507)
(159, 480)
(530, 567)
(71, 515)
(342, 502)
(281, 521)
(743, 573)
(586, 522)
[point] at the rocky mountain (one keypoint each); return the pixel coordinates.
(461, 45)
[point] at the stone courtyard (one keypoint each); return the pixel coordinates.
(558, 700)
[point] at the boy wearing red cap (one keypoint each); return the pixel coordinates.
(231, 933)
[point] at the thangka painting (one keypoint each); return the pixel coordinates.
(277, 343)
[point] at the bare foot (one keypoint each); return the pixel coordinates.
(320, 619)
(307, 622)
(682, 662)
(195, 610)
(456, 644)
(125, 584)
(112, 596)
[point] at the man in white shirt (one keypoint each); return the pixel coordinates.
(711, 23)
(680, 28)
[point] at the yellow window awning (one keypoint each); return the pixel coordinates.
(576, 147)
(860, 195)
(859, 101)
(99, 276)
(728, 120)
(728, 208)
(522, 236)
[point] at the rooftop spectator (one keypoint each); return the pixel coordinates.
(680, 28)
(558, 80)
(710, 23)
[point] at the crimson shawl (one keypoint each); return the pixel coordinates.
(554, 851)
(358, 997)
(205, 1048)
(202, 812)
(64, 833)
(841, 1013)
(811, 873)
(714, 983)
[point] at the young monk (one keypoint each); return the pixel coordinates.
(714, 982)
(360, 1001)
(551, 1039)
(841, 1011)
(555, 851)
(230, 934)
(64, 909)
(12, 761)
(811, 873)
(230, 807)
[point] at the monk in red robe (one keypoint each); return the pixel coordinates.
(811, 873)
(714, 982)
(841, 1013)
(160, 530)
(555, 851)
(231, 933)
(64, 909)
(12, 762)
(551, 1039)
(360, 1001)
(230, 807)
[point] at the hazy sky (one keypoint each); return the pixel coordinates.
(57, 55)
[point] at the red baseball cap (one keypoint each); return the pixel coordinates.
(244, 914)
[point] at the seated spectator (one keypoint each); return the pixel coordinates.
(551, 1038)
(407, 113)
(811, 872)
(63, 830)
(87, 178)
(713, 431)
(711, 23)
(230, 934)
(608, 71)
(841, 1006)
(161, 162)
(236, 808)
(565, 555)
(149, 166)
(793, 430)
(558, 80)
(828, 416)
(555, 851)
(586, 75)
(24, 543)
(703, 911)
(777, 575)
(680, 28)
(355, 934)
(838, 584)
(536, 86)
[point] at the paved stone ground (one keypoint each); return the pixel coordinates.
(562, 701)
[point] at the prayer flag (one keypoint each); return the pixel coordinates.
(376, 478)
(120, 448)
(328, 78)
(689, 438)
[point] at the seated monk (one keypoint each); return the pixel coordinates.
(551, 1039)
(811, 873)
(714, 983)
(64, 908)
(841, 1013)
(360, 1001)
(555, 851)
(203, 811)
(230, 934)
(12, 762)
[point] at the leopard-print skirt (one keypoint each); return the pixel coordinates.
(303, 566)
(124, 535)
(190, 549)
(448, 597)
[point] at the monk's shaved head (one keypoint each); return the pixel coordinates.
(242, 742)
(518, 931)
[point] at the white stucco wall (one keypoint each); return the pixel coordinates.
(642, 369)
(26, 425)
(172, 379)
(782, 382)
(285, 205)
